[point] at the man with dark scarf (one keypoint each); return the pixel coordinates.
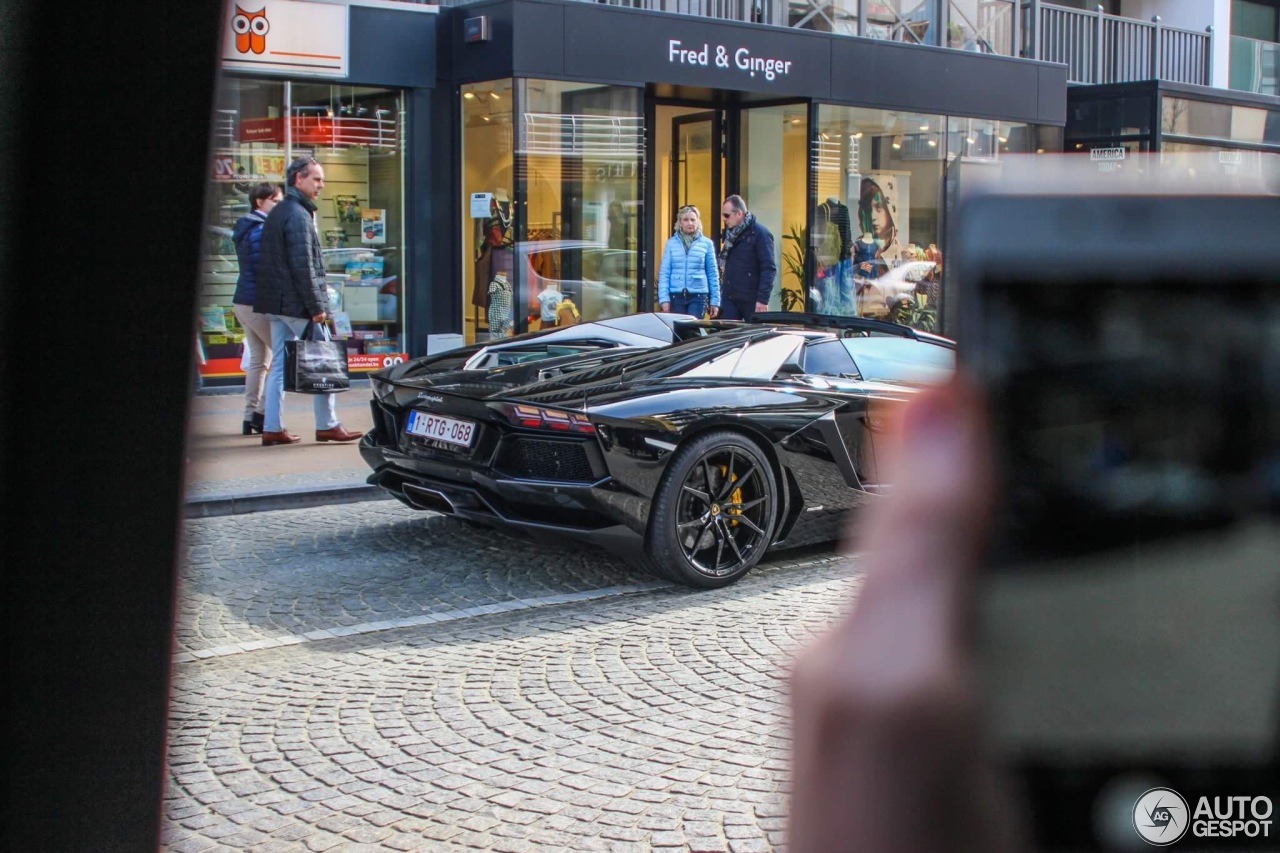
(747, 265)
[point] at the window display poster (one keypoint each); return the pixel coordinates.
(269, 167)
(342, 324)
(347, 208)
(373, 226)
(884, 204)
(213, 318)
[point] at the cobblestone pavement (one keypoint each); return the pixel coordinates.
(486, 693)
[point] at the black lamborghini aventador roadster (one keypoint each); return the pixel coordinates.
(692, 458)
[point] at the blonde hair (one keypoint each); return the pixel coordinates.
(688, 208)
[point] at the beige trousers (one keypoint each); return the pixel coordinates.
(257, 337)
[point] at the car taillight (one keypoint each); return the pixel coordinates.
(535, 417)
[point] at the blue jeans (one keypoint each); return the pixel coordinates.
(326, 406)
(737, 308)
(694, 303)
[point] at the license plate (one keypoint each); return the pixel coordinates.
(440, 428)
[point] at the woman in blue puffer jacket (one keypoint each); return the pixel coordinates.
(247, 236)
(688, 278)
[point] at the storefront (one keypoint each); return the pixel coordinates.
(348, 85)
(503, 166)
(1112, 122)
(582, 128)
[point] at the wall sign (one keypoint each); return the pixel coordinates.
(285, 37)
(1105, 155)
(739, 59)
(685, 50)
(475, 29)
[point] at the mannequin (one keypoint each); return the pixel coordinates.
(832, 240)
(500, 308)
(494, 258)
(865, 250)
(548, 303)
(832, 232)
(933, 253)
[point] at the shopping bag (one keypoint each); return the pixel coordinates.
(316, 365)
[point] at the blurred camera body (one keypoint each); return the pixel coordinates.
(1126, 333)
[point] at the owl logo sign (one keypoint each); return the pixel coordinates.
(251, 30)
(286, 37)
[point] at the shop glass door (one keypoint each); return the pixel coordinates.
(697, 173)
(688, 168)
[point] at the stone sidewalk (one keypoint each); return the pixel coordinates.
(230, 473)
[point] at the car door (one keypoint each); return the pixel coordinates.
(850, 426)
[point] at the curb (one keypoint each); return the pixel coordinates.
(215, 506)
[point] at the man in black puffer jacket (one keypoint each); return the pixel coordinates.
(747, 265)
(292, 293)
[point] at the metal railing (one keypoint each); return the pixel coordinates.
(1101, 48)
(596, 137)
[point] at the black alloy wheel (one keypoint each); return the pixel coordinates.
(713, 515)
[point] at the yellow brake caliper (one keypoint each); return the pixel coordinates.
(735, 497)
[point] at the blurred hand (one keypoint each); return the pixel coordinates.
(715, 311)
(888, 751)
(666, 308)
(762, 306)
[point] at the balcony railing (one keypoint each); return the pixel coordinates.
(1255, 66)
(1101, 48)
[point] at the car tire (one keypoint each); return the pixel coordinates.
(710, 536)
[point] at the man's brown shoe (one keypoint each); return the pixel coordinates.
(336, 434)
(270, 439)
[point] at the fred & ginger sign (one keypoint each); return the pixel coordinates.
(741, 59)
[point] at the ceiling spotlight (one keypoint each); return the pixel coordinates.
(933, 143)
(897, 142)
(495, 96)
(824, 136)
(795, 121)
(1039, 150)
(1003, 138)
(970, 140)
(924, 127)
(858, 135)
(486, 118)
(470, 96)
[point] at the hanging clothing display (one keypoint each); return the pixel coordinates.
(501, 319)
(548, 303)
(832, 232)
(864, 252)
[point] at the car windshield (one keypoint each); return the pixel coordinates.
(887, 359)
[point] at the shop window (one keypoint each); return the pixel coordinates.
(872, 248)
(1129, 116)
(560, 241)
(354, 133)
(772, 183)
(582, 147)
(489, 210)
(1207, 120)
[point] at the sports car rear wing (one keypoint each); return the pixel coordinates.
(848, 324)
